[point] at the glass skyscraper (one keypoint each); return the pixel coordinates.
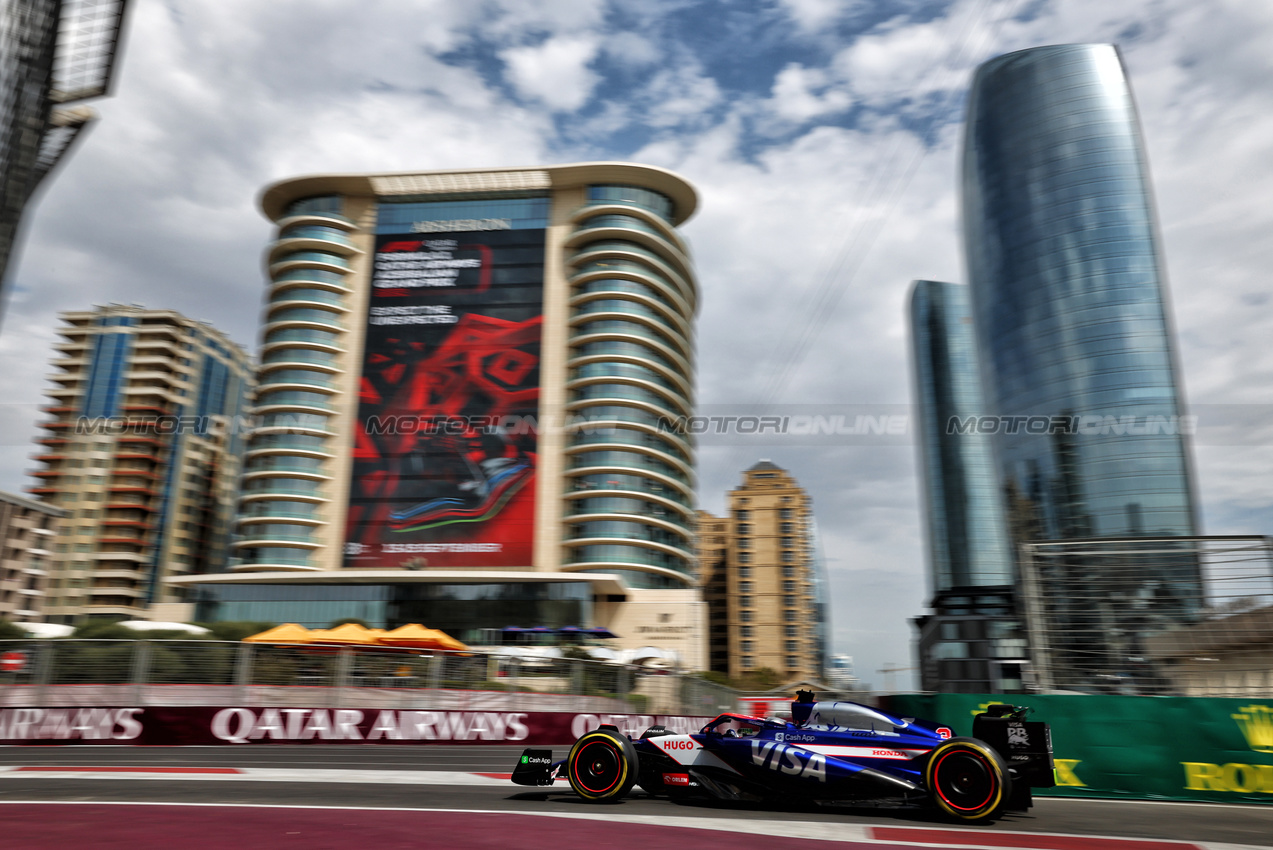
(1067, 286)
(1077, 359)
(966, 540)
(964, 645)
(54, 54)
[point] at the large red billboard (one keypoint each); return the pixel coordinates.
(445, 439)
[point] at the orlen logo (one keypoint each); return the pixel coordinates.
(676, 779)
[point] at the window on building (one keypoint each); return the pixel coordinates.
(747, 662)
(788, 557)
(744, 528)
(744, 616)
(789, 571)
(789, 616)
(744, 602)
(785, 528)
(793, 662)
(744, 543)
(785, 513)
(793, 646)
(746, 631)
(742, 515)
(789, 601)
(744, 557)
(746, 646)
(788, 587)
(788, 542)
(744, 571)
(744, 587)
(791, 631)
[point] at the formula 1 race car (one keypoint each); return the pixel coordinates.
(829, 752)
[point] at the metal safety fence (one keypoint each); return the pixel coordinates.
(75, 673)
(1163, 616)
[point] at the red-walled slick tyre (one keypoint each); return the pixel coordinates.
(967, 780)
(602, 766)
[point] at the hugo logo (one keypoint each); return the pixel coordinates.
(682, 744)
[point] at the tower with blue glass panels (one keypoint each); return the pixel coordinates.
(1069, 301)
(149, 409)
(973, 641)
(464, 383)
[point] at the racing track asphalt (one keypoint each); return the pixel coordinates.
(365, 793)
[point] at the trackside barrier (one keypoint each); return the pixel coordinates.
(66, 677)
(207, 725)
(1170, 748)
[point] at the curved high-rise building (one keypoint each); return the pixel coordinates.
(1068, 293)
(967, 541)
(463, 375)
(972, 642)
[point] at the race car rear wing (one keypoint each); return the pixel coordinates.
(1025, 745)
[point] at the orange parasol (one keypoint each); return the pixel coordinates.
(349, 634)
(286, 633)
(417, 636)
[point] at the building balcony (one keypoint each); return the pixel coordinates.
(128, 523)
(130, 488)
(131, 541)
(134, 506)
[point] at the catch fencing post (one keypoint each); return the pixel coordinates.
(243, 672)
(140, 669)
(43, 669)
(344, 661)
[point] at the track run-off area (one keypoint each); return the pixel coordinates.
(382, 797)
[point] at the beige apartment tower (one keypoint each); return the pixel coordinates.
(462, 393)
(763, 579)
(142, 453)
(28, 529)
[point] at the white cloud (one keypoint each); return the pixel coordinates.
(801, 93)
(555, 73)
(680, 97)
(812, 16)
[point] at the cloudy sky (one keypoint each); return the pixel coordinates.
(822, 137)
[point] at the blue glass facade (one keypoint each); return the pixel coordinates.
(1068, 297)
(967, 538)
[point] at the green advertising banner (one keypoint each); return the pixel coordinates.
(1174, 748)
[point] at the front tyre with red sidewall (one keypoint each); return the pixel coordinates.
(968, 780)
(602, 766)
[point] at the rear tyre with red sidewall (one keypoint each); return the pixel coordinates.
(967, 780)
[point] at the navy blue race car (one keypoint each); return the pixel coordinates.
(828, 752)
